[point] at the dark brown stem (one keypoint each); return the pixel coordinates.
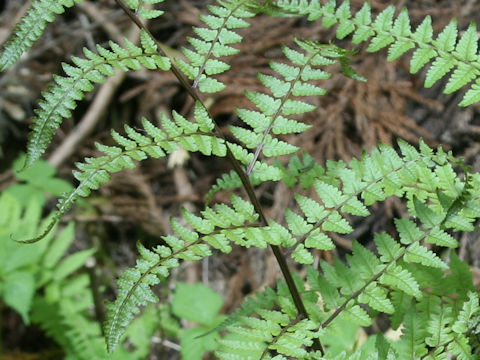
(281, 260)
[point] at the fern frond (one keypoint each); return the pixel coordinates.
(275, 328)
(64, 318)
(260, 173)
(411, 344)
(350, 189)
(138, 6)
(63, 95)
(391, 281)
(136, 146)
(447, 53)
(31, 27)
(294, 80)
(214, 42)
(134, 289)
(214, 229)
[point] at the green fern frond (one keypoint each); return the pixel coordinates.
(390, 282)
(212, 230)
(260, 300)
(63, 95)
(447, 53)
(144, 12)
(295, 80)
(134, 289)
(275, 328)
(411, 344)
(368, 280)
(349, 190)
(136, 146)
(214, 42)
(260, 173)
(31, 27)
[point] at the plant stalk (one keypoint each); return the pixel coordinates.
(281, 260)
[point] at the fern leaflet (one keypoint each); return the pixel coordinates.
(62, 97)
(135, 283)
(446, 52)
(214, 42)
(144, 12)
(193, 136)
(31, 27)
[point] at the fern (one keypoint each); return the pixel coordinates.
(63, 319)
(445, 53)
(31, 27)
(140, 8)
(134, 285)
(294, 80)
(350, 189)
(64, 316)
(62, 97)
(277, 328)
(193, 136)
(213, 42)
(430, 293)
(368, 280)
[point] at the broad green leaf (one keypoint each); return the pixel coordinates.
(196, 302)
(18, 291)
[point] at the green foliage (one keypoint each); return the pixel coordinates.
(213, 42)
(411, 277)
(40, 282)
(64, 315)
(445, 53)
(158, 142)
(62, 97)
(275, 325)
(143, 11)
(24, 270)
(31, 27)
(293, 80)
(199, 304)
(36, 181)
(216, 229)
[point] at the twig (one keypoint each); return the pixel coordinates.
(88, 34)
(108, 26)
